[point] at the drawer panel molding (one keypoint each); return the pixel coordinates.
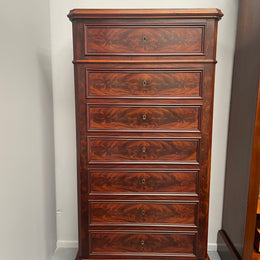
(143, 213)
(144, 83)
(126, 150)
(109, 181)
(138, 118)
(140, 244)
(144, 40)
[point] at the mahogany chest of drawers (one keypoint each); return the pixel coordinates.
(144, 97)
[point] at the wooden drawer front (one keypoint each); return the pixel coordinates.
(102, 150)
(107, 117)
(107, 213)
(172, 83)
(115, 243)
(152, 40)
(183, 182)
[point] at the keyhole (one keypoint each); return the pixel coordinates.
(143, 149)
(144, 38)
(143, 181)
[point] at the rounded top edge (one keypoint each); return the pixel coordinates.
(145, 13)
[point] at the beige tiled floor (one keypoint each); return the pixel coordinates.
(70, 253)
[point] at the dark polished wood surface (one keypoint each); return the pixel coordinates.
(175, 83)
(143, 39)
(112, 181)
(145, 213)
(102, 150)
(108, 243)
(242, 166)
(144, 101)
(145, 13)
(107, 117)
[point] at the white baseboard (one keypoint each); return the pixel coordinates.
(74, 244)
(67, 244)
(212, 246)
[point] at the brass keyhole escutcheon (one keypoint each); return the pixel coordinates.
(144, 117)
(144, 38)
(143, 149)
(142, 242)
(143, 181)
(143, 212)
(144, 82)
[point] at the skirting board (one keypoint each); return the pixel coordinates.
(226, 249)
(74, 244)
(212, 247)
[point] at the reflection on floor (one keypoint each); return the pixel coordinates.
(70, 254)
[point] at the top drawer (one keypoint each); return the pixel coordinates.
(144, 40)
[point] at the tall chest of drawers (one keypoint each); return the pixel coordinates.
(144, 96)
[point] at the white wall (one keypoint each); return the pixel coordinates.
(27, 178)
(64, 113)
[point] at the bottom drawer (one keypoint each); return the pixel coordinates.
(144, 243)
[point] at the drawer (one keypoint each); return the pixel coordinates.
(144, 40)
(126, 150)
(117, 181)
(144, 83)
(152, 244)
(126, 117)
(145, 213)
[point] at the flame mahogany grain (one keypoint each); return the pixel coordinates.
(103, 117)
(144, 98)
(144, 39)
(107, 243)
(177, 213)
(175, 83)
(142, 181)
(159, 150)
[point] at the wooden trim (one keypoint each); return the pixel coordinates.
(231, 248)
(253, 187)
(144, 61)
(183, 257)
(144, 13)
